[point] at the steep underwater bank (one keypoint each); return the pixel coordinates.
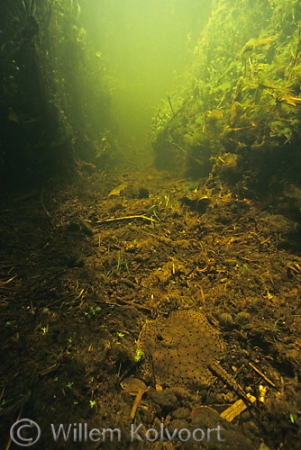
(240, 117)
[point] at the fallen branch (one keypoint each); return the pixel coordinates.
(223, 375)
(119, 219)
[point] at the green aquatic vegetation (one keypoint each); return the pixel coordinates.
(244, 269)
(139, 354)
(95, 310)
(245, 93)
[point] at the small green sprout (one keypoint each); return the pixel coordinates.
(44, 330)
(244, 269)
(138, 354)
(166, 198)
(92, 403)
(95, 310)
(120, 334)
(45, 311)
(69, 385)
(2, 404)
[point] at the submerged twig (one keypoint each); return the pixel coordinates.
(43, 204)
(8, 281)
(130, 303)
(222, 374)
(170, 105)
(263, 376)
(118, 219)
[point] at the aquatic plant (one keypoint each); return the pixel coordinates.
(245, 90)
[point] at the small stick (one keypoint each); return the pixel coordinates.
(3, 285)
(10, 439)
(170, 105)
(8, 281)
(2, 393)
(270, 382)
(223, 375)
(24, 400)
(117, 219)
(64, 298)
(130, 303)
(43, 204)
(265, 241)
